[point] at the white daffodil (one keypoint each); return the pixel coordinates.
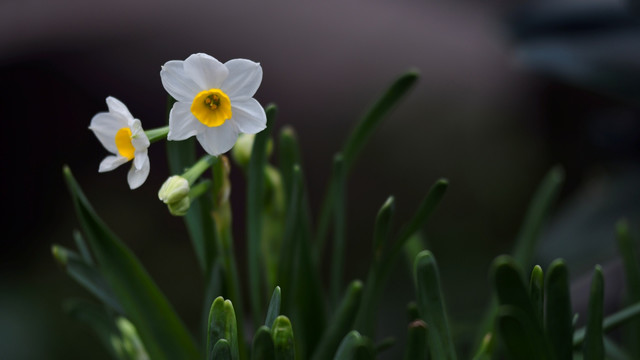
(214, 101)
(123, 136)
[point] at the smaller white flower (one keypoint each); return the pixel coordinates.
(122, 135)
(214, 101)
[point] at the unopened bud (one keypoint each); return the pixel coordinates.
(241, 151)
(181, 207)
(174, 189)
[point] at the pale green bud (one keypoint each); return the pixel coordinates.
(241, 151)
(181, 207)
(174, 190)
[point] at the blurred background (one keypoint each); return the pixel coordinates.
(507, 91)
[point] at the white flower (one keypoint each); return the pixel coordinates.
(214, 101)
(123, 136)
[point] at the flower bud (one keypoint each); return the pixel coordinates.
(174, 190)
(241, 151)
(181, 207)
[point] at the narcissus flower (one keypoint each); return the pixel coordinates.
(214, 101)
(122, 135)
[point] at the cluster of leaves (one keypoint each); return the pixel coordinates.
(284, 246)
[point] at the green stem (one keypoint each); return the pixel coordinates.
(199, 189)
(198, 168)
(157, 134)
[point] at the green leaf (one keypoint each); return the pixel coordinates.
(536, 292)
(427, 206)
(629, 254)
(274, 307)
(354, 346)
(340, 323)
(376, 113)
(221, 350)
(255, 201)
(309, 308)
(520, 334)
(519, 313)
(160, 329)
(98, 319)
(559, 317)
(283, 342)
(510, 289)
(382, 228)
(417, 341)
(610, 322)
(366, 318)
(289, 152)
(538, 211)
(181, 155)
(86, 275)
(543, 201)
(432, 306)
(339, 229)
(262, 347)
(286, 264)
(222, 325)
(82, 247)
(380, 270)
(593, 346)
(355, 142)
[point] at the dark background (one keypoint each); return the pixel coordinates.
(503, 96)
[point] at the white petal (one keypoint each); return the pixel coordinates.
(105, 126)
(139, 139)
(177, 83)
(244, 78)
(182, 123)
(111, 162)
(139, 158)
(206, 71)
(249, 116)
(116, 107)
(136, 177)
(220, 139)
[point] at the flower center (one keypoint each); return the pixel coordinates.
(123, 143)
(211, 107)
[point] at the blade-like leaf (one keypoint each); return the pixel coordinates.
(559, 317)
(417, 341)
(87, 276)
(355, 142)
(340, 323)
(611, 322)
(181, 155)
(354, 346)
(162, 332)
(221, 351)
(520, 334)
(536, 292)
(222, 325)
(262, 347)
(432, 306)
(629, 254)
(82, 247)
(593, 346)
(339, 231)
(274, 307)
(283, 342)
(98, 319)
(255, 201)
(543, 201)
